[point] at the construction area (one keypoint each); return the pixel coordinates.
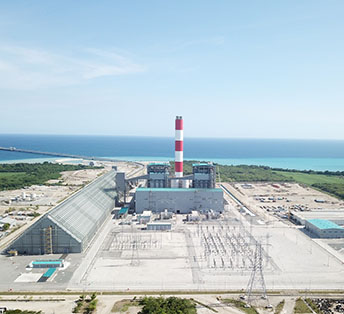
(279, 200)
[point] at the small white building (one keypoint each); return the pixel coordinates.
(8, 220)
(194, 216)
(145, 217)
(166, 214)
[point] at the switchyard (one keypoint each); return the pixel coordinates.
(224, 247)
(188, 255)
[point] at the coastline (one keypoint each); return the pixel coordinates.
(295, 163)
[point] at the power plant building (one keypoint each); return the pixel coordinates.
(71, 225)
(178, 200)
(158, 174)
(204, 176)
(172, 193)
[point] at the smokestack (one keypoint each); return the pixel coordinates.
(179, 148)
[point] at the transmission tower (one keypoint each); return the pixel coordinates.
(135, 261)
(256, 282)
(135, 241)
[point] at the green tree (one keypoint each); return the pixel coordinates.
(6, 226)
(171, 305)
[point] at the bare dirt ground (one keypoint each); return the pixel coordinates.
(267, 198)
(207, 303)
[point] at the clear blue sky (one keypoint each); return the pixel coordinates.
(269, 69)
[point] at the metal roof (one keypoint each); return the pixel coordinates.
(324, 224)
(47, 263)
(49, 272)
(123, 210)
(323, 214)
(81, 214)
(176, 190)
(76, 220)
(203, 164)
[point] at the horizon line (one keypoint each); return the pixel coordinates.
(172, 137)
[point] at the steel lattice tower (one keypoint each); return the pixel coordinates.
(135, 260)
(256, 281)
(135, 239)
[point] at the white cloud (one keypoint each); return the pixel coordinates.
(27, 68)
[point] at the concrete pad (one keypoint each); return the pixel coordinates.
(29, 277)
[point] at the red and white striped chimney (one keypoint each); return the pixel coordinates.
(178, 157)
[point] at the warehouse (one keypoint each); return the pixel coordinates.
(178, 200)
(324, 228)
(336, 216)
(71, 225)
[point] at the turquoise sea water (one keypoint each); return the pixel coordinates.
(321, 164)
(291, 154)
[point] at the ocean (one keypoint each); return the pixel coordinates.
(289, 154)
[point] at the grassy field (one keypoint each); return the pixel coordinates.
(301, 307)
(242, 173)
(332, 184)
(123, 305)
(311, 178)
(16, 176)
(241, 306)
(328, 182)
(313, 306)
(279, 307)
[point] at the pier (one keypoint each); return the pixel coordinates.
(36, 152)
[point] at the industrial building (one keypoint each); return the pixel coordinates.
(145, 216)
(178, 200)
(158, 175)
(179, 193)
(204, 176)
(324, 228)
(159, 226)
(71, 225)
(336, 216)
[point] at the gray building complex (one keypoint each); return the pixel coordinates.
(162, 194)
(71, 225)
(178, 200)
